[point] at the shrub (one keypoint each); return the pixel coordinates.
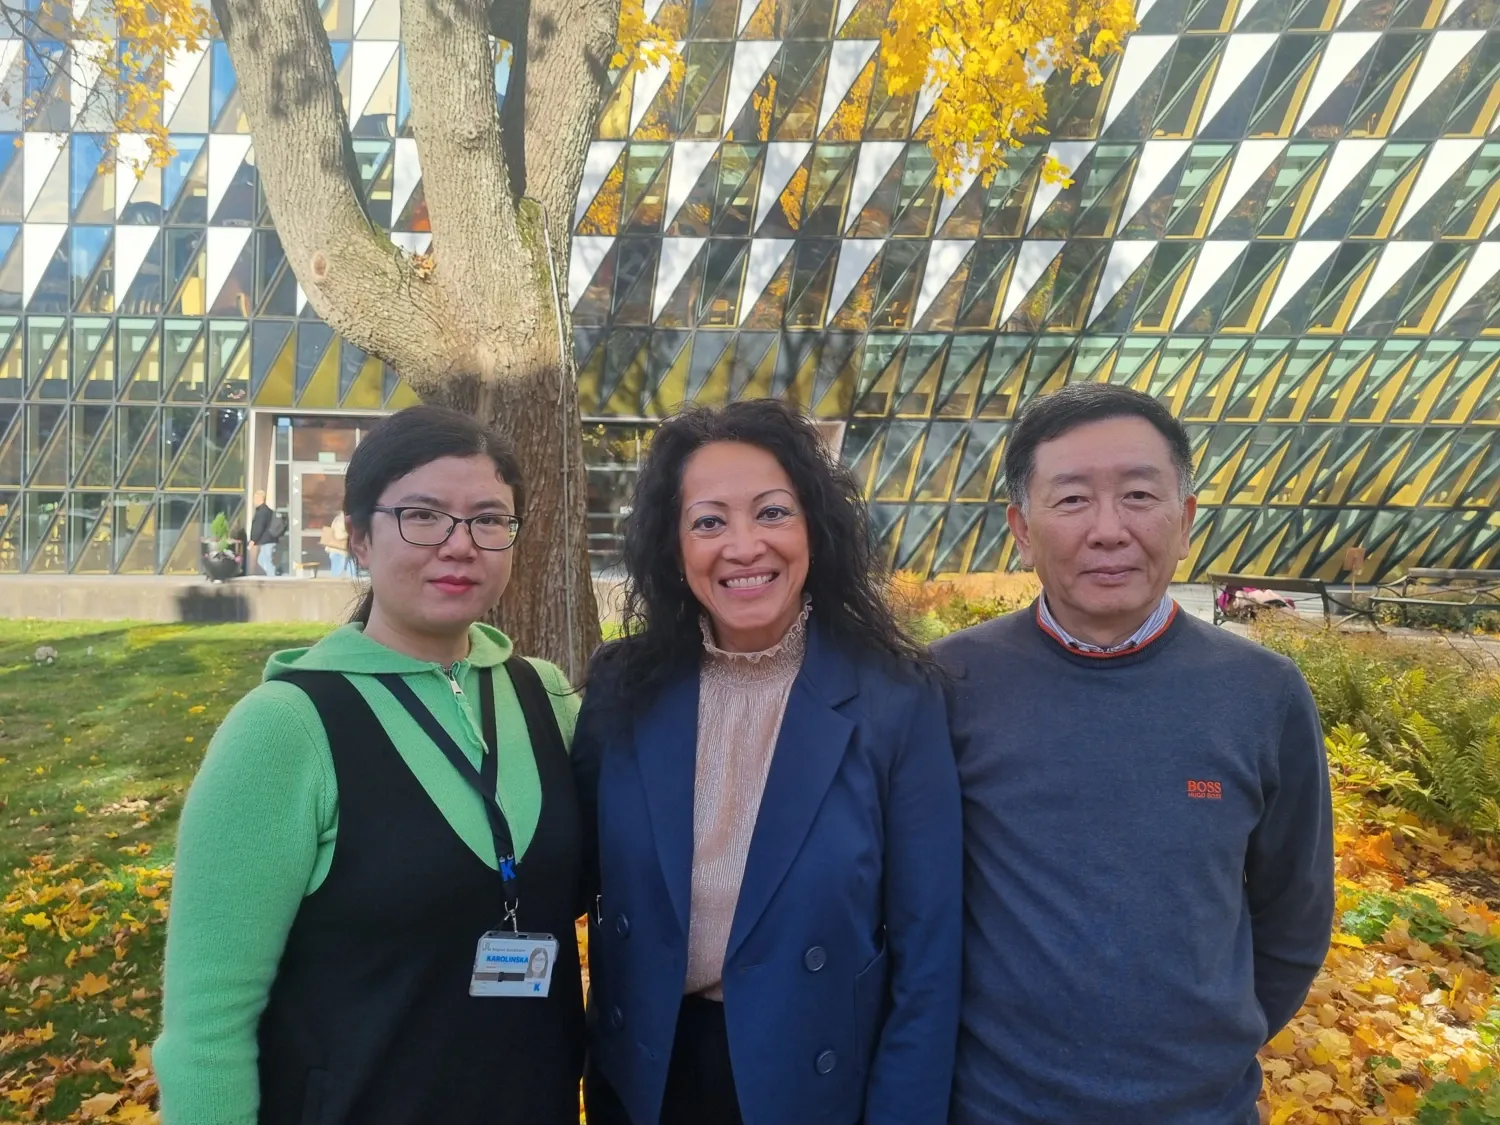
(930, 610)
(1440, 617)
(1419, 720)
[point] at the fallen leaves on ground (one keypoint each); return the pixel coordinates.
(1404, 1019)
(74, 942)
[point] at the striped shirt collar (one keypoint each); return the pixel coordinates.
(1150, 629)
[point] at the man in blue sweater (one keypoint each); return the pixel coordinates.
(1148, 832)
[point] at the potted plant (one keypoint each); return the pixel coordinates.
(221, 554)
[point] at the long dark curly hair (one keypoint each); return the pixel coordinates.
(845, 581)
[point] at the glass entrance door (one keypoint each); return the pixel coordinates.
(317, 495)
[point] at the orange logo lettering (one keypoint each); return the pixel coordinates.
(1206, 790)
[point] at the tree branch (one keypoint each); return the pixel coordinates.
(568, 49)
(360, 283)
(450, 66)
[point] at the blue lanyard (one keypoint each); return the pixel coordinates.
(482, 781)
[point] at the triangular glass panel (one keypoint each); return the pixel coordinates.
(811, 284)
(704, 89)
(143, 469)
(182, 450)
(1187, 84)
(1470, 194)
(1009, 194)
(135, 545)
(981, 464)
(903, 447)
(1284, 87)
(1078, 270)
(808, 19)
(185, 180)
(1391, 65)
(47, 447)
(184, 361)
(798, 91)
(46, 357)
(740, 169)
(890, 115)
(273, 363)
(645, 187)
(1327, 308)
(1278, 216)
(919, 195)
(1253, 286)
(94, 447)
(92, 196)
(12, 432)
(828, 186)
(313, 346)
(1429, 293)
(896, 286)
(1475, 108)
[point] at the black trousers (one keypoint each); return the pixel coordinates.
(700, 1081)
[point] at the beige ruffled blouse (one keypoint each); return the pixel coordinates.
(742, 698)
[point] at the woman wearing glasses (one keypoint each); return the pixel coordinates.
(383, 841)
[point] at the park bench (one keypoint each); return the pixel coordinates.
(1338, 607)
(1463, 593)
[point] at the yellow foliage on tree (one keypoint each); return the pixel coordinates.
(645, 42)
(109, 62)
(989, 61)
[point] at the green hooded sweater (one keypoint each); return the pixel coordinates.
(258, 832)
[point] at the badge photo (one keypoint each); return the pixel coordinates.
(508, 964)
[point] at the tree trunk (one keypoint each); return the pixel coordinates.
(549, 608)
(478, 322)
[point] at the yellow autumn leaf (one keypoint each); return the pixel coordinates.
(1283, 1042)
(1350, 940)
(93, 983)
(99, 1105)
(1401, 1100)
(38, 1034)
(36, 921)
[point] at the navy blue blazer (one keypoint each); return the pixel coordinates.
(843, 970)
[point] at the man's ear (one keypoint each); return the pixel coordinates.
(1021, 531)
(1189, 512)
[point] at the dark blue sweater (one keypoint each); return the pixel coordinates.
(1148, 875)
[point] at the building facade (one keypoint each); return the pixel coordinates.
(1284, 220)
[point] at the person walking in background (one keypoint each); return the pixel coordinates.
(767, 763)
(266, 530)
(1149, 863)
(371, 827)
(335, 540)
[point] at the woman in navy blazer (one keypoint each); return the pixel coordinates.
(767, 761)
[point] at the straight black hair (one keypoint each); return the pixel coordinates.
(1078, 404)
(403, 443)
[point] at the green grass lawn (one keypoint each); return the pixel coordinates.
(96, 751)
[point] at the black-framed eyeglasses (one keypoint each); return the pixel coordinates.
(428, 527)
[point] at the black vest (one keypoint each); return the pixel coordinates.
(370, 1021)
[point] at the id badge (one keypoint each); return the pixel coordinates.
(509, 964)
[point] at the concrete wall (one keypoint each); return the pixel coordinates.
(150, 598)
(124, 598)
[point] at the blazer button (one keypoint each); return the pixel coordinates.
(826, 1062)
(622, 925)
(815, 958)
(616, 1018)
